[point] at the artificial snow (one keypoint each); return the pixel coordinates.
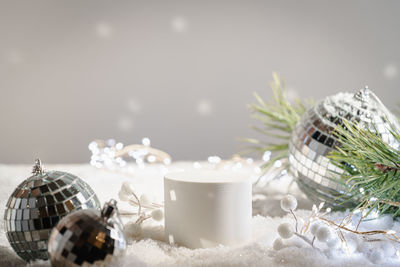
(267, 216)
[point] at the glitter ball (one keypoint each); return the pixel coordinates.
(87, 237)
(37, 205)
(313, 139)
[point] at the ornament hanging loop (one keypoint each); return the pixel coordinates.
(363, 94)
(109, 209)
(38, 167)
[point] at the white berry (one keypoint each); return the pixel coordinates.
(278, 244)
(323, 233)
(285, 230)
(133, 230)
(157, 214)
(288, 203)
(127, 188)
(314, 228)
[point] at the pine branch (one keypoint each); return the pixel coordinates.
(278, 119)
(371, 167)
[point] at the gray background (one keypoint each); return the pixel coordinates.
(180, 73)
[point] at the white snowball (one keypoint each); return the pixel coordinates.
(157, 214)
(278, 244)
(376, 255)
(314, 228)
(127, 188)
(144, 199)
(323, 233)
(285, 230)
(288, 203)
(133, 230)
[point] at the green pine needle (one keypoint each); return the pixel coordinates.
(371, 167)
(278, 119)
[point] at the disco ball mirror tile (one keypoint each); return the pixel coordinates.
(313, 139)
(84, 238)
(37, 205)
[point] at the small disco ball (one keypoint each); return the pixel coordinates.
(37, 205)
(313, 139)
(87, 237)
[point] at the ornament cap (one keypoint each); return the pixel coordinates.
(38, 167)
(109, 209)
(363, 94)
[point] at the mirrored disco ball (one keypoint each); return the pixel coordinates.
(313, 139)
(37, 205)
(87, 237)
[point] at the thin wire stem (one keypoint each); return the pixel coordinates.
(294, 216)
(305, 239)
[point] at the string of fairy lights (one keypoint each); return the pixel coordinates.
(113, 155)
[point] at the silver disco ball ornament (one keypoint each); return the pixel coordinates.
(88, 237)
(37, 205)
(313, 139)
